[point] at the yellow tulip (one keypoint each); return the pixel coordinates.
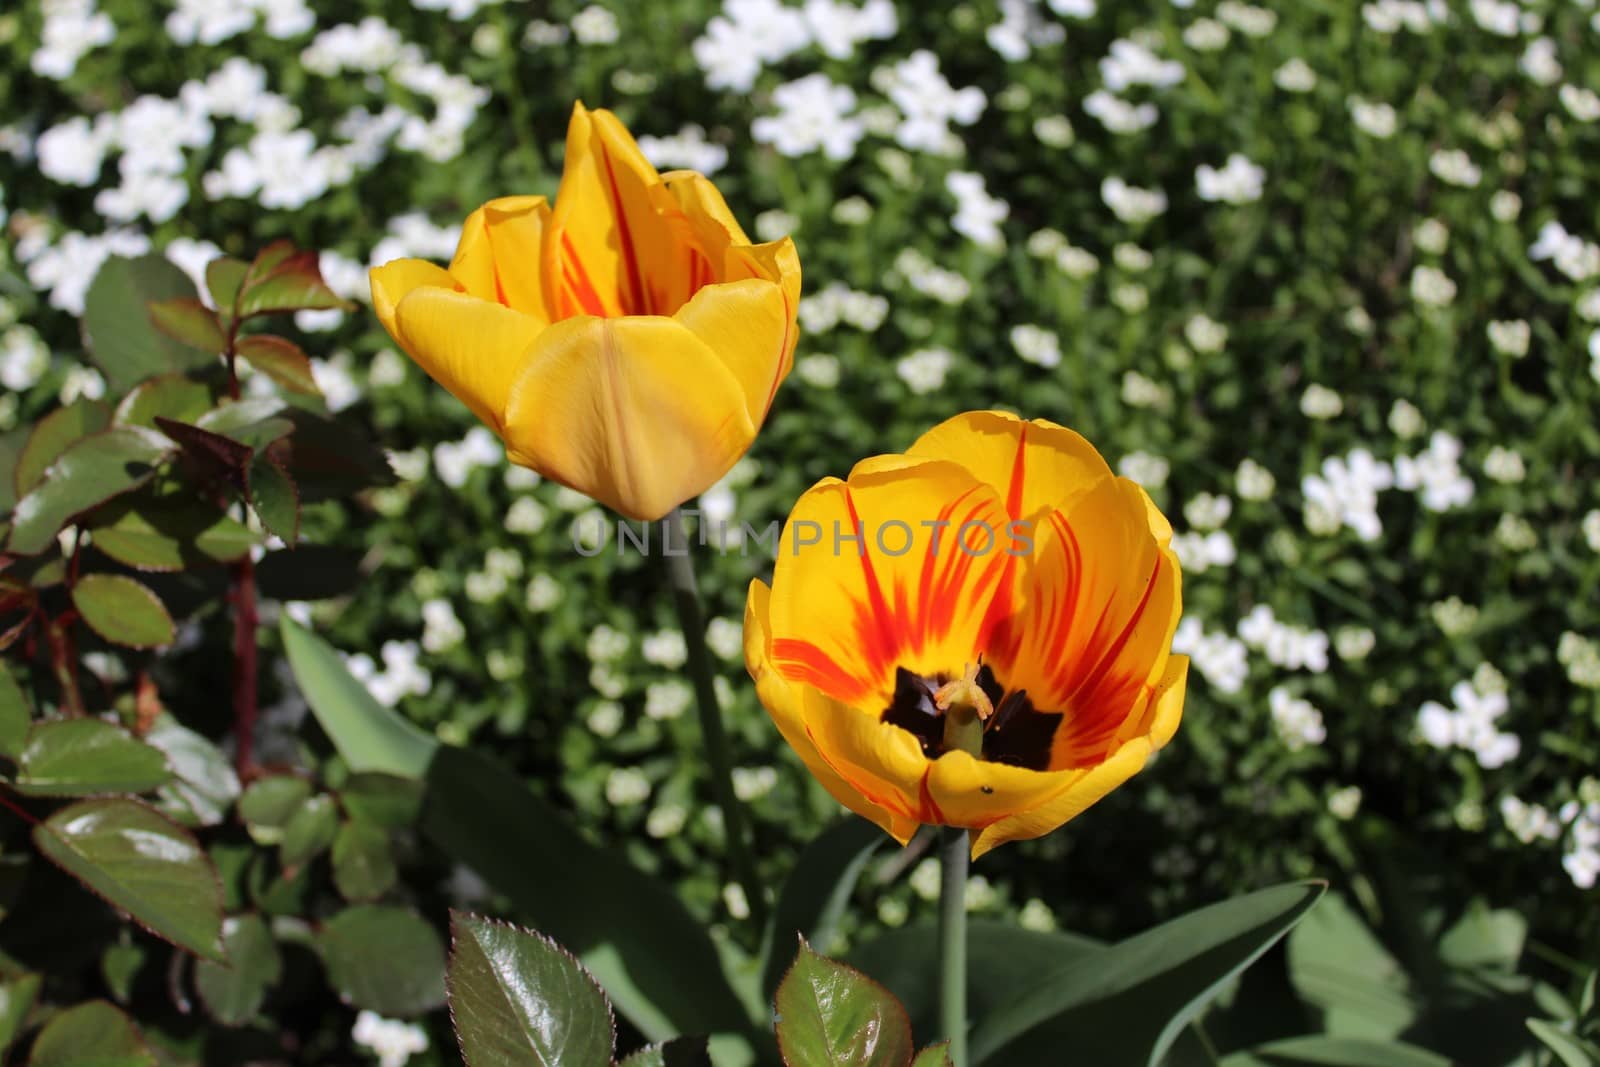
(626, 342)
(976, 633)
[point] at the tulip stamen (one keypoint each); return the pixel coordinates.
(965, 692)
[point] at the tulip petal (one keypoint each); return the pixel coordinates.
(499, 255)
(1034, 464)
(1160, 718)
(786, 704)
(395, 279)
(747, 325)
(1080, 789)
(472, 347)
(894, 568)
(611, 252)
(880, 761)
(976, 793)
(636, 412)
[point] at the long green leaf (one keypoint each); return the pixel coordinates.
(369, 736)
(1322, 1050)
(816, 893)
(1131, 1001)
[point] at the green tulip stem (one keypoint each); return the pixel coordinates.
(956, 850)
(686, 598)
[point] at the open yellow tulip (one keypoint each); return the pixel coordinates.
(626, 343)
(975, 634)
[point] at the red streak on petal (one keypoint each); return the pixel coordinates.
(637, 301)
(875, 627)
(578, 285)
(801, 661)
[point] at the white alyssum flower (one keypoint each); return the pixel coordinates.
(1054, 131)
(687, 149)
(818, 369)
(665, 648)
(454, 462)
(441, 627)
(1130, 203)
(1504, 465)
(1207, 511)
(72, 152)
(978, 215)
(1528, 822)
(1470, 724)
(595, 25)
(837, 303)
(924, 370)
(1591, 529)
(1295, 76)
(1345, 803)
(1581, 658)
(1021, 29)
(745, 37)
(1436, 474)
(1206, 35)
(1036, 345)
(1505, 206)
(627, 787)
(930, 279)
(1500, 17)
(753, 783)
(1130, 63)
(1454, 167)
(1431, 236)
(1117, 114)
(1320, 402)
(394, 1042)
(1432, 287)
(1284, 644)
(1297, 721)
(1146, 468)
(1354, 643)
(838, 27)
(1248, 19)
(927, 102)
(1373, 117)
(667, 699)
(1405, 420)
(72, 29)
(1510, 337)
(24, 358)
(1222, 660)
(1238, 182)
(1581, 102)
(1539, 61)
(1252, 481)
(1345, 494)
(1573, 256)
(814, 114)
(1198, 552)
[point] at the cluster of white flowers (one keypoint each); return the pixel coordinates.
(1131, 63)
(1471, 723)
(1297, 720)
(210, 22)
(1573, 256)
(72, 29)
(667, 699)
(441, 627)
(1131, 204)
(1582, 817)
(1581, 658)
(814, 113)
(65, 267)
(1528, 822)
(837, 303)
(1345, 494)
(1036, 345)
(1146, 468)
(1076, 263)
(394, 1042)
(1373, 117)
(501, 567)
(454, 461)
(1199, 552)
(749, 35)
(753, 783)
(402, 674)
(924, 370)
(687, 149)
(1238, 182)
(1222, 660)
(1510, 337)
(1284, 644)
(1295, 76)
(24, 358)
(1021, 29)
(1454, 167)
(978, 215)
(1392, 16)
(1432, 287)
(627, 787)
(928, 103)
(1119, 115)
(928, 278)
(1435, 474)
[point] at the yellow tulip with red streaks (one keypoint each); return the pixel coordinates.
(627, 341)
(976, 633)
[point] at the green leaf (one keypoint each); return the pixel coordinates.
(1002, 962)
(17, 997)
(269, 803)
(168, 533)
(204, 785)
(122, 339)
(629, 929)
(93, 470)
(119, 966)
(1570, 1050)
(651, 956)
(684, 1052)
(1130, 1001)
(1338, 965)
(51, 436)
(309, 832)
(817, 892)
(95, 1034)
(212, 451)
(1484, 939)
(257, 422)
(12, 443)
(520, 1000)
(171, 396)
(382, 799)
(363, 862)
(87, 757)
(369, 736)
(190, 322)
(294, 283)
(123, 610)
(15, 714)
(234, 992)
(281, 360)
(331, 459)
(385, 959)
(934, 1056)
(139, 861)
(275, 499)
(831, 1015)
(1321, 1050)
(224, 277)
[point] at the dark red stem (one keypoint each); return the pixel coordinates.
(26, 816)
(245, 621)
(64, 659)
